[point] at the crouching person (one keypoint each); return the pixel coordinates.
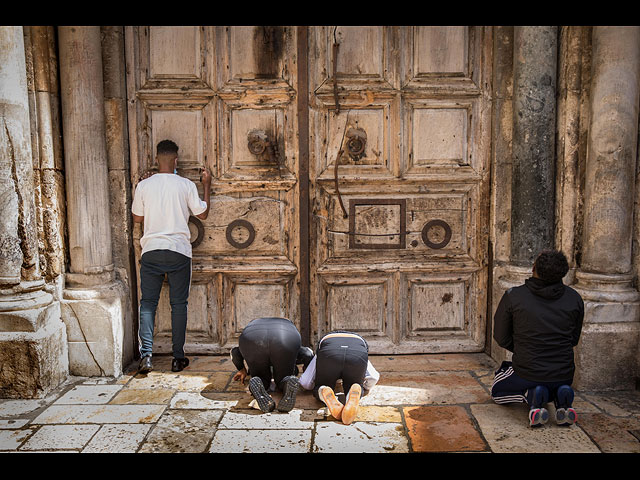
(340, 355)
(540, 323)
(271, 348)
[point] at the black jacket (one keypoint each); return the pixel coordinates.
(540, 323)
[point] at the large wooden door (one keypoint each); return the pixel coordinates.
(396, 248)
(399, 242)
(227, 97)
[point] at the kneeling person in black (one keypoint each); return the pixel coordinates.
(271, 348)
(340, 355)
(540, 322)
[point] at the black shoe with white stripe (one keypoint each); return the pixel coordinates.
(265, 402)
(288, 399)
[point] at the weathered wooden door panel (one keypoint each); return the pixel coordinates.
(226, 96)
(399, 242)
(397, 245)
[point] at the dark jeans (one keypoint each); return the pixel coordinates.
(508, 387)
(270, 343)
(154, 265)
(343, 358)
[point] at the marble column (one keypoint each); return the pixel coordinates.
(33, 350)
(95, 301)
(608, 352)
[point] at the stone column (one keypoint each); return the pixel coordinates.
(33, 355)
(94, 301)
(533, 111)
(607, 355)
(534, 126)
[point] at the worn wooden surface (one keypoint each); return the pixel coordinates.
(421, 97)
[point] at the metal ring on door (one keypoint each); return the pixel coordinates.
(244, 224)
(447, 234)
(199, 225)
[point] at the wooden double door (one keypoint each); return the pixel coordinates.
(350, 177)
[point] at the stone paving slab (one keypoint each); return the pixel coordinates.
(612, 435)
(89, 394)
(10, 440)
(60, 437)
(118, 438)
(261, 441)
(411, 388)
(442, 429)
(506, 429)
(100, 414)
(360, 437)
(182, 431)
(257, 420)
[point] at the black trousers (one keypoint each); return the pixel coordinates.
(153, 267)
(343, 358)
(270, 343)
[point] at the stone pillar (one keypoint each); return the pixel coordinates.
(607, 357)
(33, 354)
(94, 301)
(534, 126)
(532, 157)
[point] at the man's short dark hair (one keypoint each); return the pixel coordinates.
(167, 146)
(551, 266)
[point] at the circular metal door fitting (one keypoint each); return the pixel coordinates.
(447, 234)
(242, 224)
(200, 229)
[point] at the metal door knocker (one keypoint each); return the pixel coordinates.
(262, 147)
(251, 235)
(445, 239)
(357, 140)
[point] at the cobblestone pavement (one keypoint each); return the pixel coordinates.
(422, 403)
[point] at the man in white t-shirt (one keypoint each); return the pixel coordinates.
(163, 203)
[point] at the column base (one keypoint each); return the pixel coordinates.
(33, 343)
(607, 355)
(95, 317)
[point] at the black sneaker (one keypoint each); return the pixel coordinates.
(179, 364)
(145, 365)
(265, 402)
(288, 399)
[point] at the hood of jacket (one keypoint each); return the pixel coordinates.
(544, 289)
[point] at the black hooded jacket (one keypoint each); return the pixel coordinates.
(540, 323)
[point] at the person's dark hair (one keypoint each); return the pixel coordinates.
(551, 266)
(167, 146)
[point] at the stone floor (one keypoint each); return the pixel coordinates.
(422, 403)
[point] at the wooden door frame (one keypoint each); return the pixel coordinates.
(303, 178)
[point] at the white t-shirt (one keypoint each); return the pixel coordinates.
(165, 199)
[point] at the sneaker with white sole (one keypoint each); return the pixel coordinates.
(265, 402)
(328, 396)
(351, 404)
(538, 417)
(566, 416)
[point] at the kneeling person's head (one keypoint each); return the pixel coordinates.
(551, 266)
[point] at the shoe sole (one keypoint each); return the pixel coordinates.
(539, 417)
(566, 416)
(288, 399)
(351, 405)
(265, 402)
(327, 395)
